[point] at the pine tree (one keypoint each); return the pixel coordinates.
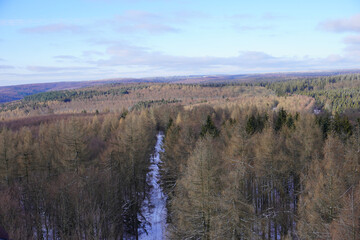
(209, 128)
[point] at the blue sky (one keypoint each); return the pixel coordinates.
(47, 41)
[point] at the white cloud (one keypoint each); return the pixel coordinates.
(6, 67)
(241, 16)
(56, 69)
(54, 28)
(135, 61)
(352, 43)
(352, 39)
(66, 57)
(352, 48)
(252, 28)
(351, 24)
(91, 53)
(141, 21)
(272, 16)
(248, 61)
(146, 27)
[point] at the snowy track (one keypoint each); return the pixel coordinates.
(156, 214)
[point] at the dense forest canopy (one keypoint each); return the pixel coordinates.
(240, 160)
(333, 93)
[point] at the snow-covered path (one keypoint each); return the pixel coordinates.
(156, 214)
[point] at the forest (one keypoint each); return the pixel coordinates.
(333, 93)
(240, 160)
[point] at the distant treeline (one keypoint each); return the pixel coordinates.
(147, 104)
(4, 99)
(69, 95)
(334, 93)
(40, 99)
(8, 97)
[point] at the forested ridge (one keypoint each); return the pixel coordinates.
(333, 93)
(142, 95)
(68, 95)
(240, 161)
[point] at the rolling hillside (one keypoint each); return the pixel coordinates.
(17, 92)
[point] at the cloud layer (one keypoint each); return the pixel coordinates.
(249, 61)
(56, 69)
(127, 42)
(6, 67)
(54, 28)
(351, 24)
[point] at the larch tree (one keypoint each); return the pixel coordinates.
(347, 225)
(237, 217)
(51, 157)
(26, 154)
(6, 155)
(195, 205)
(75, 140)
(321, 203)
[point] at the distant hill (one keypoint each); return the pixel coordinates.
(17, 92)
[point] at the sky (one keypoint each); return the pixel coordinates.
(74, 40)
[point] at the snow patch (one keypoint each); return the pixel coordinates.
(155, 210)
